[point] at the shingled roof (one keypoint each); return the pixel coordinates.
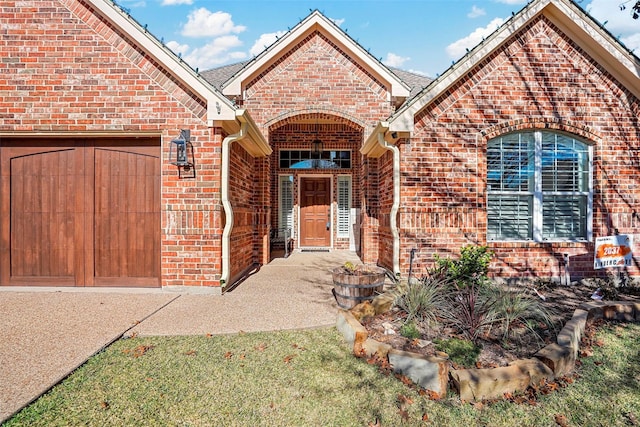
(415, 81)
(218, 76)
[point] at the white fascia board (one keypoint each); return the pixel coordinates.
(313, 21)
(164, 56)
(372, 147)
(255, 143)
(563, 14)
(620, 62)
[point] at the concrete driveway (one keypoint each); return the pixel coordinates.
(46, 333)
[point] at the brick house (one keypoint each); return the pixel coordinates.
(529, 144)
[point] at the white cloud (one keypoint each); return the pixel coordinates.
(338, 22)
(177, 48)
(175, 2)
(632, 42)
(215, 53)
(204, 23)
(393, 60)
(512, 1)
(264, 41)
(458, 48)
(618, 22)
(476, 12)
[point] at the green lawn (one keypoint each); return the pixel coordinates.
(309, 378)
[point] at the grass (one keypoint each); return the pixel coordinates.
(309, 378)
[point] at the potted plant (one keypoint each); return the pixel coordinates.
(353, 284)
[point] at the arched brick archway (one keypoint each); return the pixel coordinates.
(315, 196)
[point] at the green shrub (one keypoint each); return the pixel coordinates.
(462, 352)
(470, 269)
(410, 330)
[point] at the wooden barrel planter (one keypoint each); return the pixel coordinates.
(350, 288)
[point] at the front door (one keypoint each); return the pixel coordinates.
(315, 214)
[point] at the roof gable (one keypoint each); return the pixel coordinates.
(568, 17)
(219, 108)
(316, 21)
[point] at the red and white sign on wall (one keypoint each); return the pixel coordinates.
(613, 251)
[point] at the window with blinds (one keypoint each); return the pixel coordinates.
(538, 187)
(286, 204)
(344, 205)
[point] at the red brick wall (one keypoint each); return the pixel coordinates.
(369, 251)
(63, 69)
(385, 197)
(249, 198)
(540, 79)
(316, 76)
(318, 81)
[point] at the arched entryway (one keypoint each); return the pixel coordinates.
(315, 182)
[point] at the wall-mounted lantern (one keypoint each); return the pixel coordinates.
(181, 152)
(316, 148)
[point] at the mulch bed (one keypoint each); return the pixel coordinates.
(561, 301)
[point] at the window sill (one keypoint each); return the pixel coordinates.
(531, 243)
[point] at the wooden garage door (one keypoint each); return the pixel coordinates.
(80, 213)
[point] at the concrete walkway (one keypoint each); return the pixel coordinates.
(46, 333)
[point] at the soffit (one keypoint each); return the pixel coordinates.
(592, 37)
(316, 21)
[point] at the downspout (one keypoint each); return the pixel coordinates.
(226, 204)
(396, 202)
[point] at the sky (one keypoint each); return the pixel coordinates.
(422, 36)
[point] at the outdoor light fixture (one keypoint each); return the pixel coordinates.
(316, 148)
(181, 151)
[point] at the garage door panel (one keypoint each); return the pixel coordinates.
(80, 213)
(44, 215)
(127, 226)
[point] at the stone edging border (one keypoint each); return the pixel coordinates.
(433, 373)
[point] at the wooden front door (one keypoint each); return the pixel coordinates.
(315, 214)
(80, 213)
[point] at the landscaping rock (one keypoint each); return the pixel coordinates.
(595, 310)
(352, 330)
(363, 310)
(429, 372)
(622, 311)
(572, 331)
(536, 370)
(383, 303)
(559, 359)
(478, 384)
(376, 348)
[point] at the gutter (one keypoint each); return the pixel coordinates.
(396, 201)
(226, 204)
(250, 138)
